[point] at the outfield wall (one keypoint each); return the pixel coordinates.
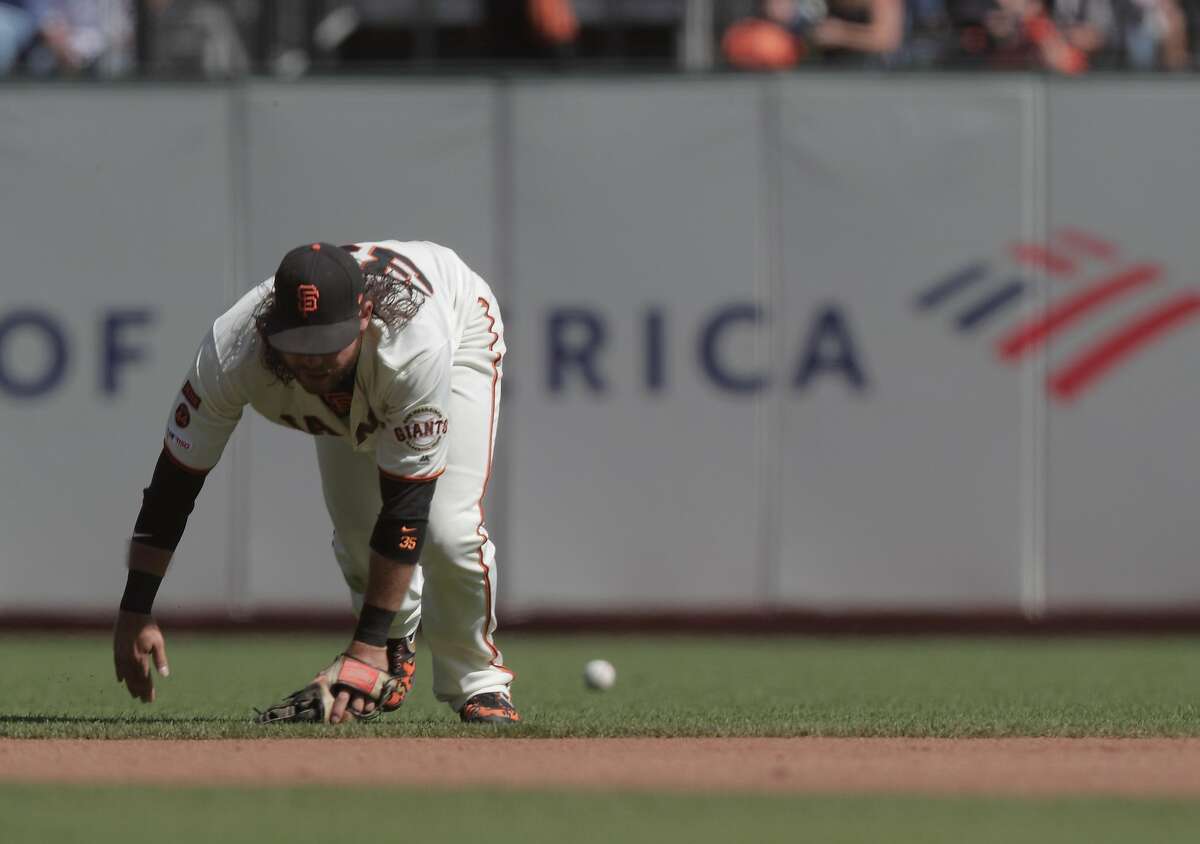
(828, 343)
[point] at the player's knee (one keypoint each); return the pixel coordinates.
(454, 536)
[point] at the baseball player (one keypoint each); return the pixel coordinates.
(389, 354)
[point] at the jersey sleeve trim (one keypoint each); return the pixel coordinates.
(190, 469)
(412, 478)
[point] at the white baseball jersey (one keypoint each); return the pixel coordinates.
(424, 405)
(402, 383)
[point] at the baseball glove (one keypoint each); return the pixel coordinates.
(314, 703)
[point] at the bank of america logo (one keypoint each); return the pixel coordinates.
(1096, 277)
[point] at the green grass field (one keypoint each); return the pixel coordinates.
(666, 687)
(202, 816)
(733, 686)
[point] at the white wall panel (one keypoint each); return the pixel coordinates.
(1122, 475)
(631, 200)
(701, 234)
(112, 201)
(906, 491)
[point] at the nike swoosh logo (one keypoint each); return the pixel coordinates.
(142, 535)
(407, 529)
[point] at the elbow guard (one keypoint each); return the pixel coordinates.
(403, 520)
(167, 503)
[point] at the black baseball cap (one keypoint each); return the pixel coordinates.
(318, 292)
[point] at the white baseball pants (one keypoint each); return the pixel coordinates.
(453, 593)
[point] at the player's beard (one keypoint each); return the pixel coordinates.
(321, 382)
(328, 375)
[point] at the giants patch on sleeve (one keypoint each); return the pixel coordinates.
(423, 428)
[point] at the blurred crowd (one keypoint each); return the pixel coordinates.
(113, 38)
(66, 36)
(222, 38)
(1065, 36)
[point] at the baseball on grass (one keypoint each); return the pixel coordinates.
(599, 674)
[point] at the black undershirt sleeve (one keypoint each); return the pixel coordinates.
(167, 503)
(403, 520)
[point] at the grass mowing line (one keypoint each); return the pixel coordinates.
(203, 815)
(684, 687)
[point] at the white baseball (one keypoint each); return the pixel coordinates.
(599, 674)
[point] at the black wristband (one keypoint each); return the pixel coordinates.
(140, 590)
(373, 625)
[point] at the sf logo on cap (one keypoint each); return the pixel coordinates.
(308, 297)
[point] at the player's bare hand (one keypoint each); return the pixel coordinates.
(348, 703)
(137, 642)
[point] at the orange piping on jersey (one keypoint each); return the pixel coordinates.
(181, 465)
(414, 478)
(487, 581)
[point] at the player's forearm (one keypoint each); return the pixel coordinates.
(148, 559)
(387, 582)
(395, 549)
(147, 565)
(166, 505)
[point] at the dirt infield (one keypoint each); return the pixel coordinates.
(1023, 766)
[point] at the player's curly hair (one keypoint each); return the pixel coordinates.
(395, 300)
